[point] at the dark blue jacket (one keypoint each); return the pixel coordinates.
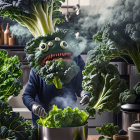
(47, 95)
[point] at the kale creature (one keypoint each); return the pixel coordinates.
(10, 73)
(51, 58)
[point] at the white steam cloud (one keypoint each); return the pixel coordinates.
(64, 101)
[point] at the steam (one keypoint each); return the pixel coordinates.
(64, 101)
(22, 34)
(87, 24)
(121, 11)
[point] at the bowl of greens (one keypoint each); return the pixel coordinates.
(66, 124)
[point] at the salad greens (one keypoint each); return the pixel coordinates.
(10, 73)
(58, 118)
(107, 130)
(39, 16)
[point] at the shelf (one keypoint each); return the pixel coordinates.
(15, 47)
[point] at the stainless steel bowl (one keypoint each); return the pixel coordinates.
(70, 133)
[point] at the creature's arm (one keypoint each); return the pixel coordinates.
(78, 82)
(31, 90)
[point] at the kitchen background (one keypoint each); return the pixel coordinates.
(85, 18)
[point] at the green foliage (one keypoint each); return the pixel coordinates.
(10, 73)
(108, 130)
(128, 96)
(102, 81)
(137, 88)
(13, 126)
(131, 95)
(119, 40)
(58, 118)
(39, 16)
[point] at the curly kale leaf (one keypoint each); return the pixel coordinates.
(58, 118)
(10, 73)
(102, 81)
(57, 72)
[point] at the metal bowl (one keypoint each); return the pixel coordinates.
(68, 133)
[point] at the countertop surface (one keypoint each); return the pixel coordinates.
(93, 137)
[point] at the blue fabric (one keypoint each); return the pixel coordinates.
(38, 91)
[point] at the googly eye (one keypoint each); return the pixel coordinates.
(43, 47)
(63, 45)
(57, 39)
(50, 44)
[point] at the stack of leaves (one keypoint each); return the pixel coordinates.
(58, 118)
(13, 126)
(10, 73)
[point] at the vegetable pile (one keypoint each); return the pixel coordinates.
(39, 16)
(10, 73)
(131, 96)
(102, 81)
(58, 118)
(13, 126)
(107, 130)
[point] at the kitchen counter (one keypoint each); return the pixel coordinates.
(93, 137)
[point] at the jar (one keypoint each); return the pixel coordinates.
(134, 131)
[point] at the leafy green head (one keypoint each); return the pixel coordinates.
(51, 58)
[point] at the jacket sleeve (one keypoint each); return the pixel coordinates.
(77, 83)
(30, 90)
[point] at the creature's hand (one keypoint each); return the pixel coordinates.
(38, 110)
(85, 97)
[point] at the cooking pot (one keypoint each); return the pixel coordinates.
(68, 133)
(130, 115)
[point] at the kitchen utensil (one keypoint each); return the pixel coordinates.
(70, 133)
(134, 131)
(130, 115)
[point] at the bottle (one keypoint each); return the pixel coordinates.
(11, 40)
(6, 35)
(1, 35)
